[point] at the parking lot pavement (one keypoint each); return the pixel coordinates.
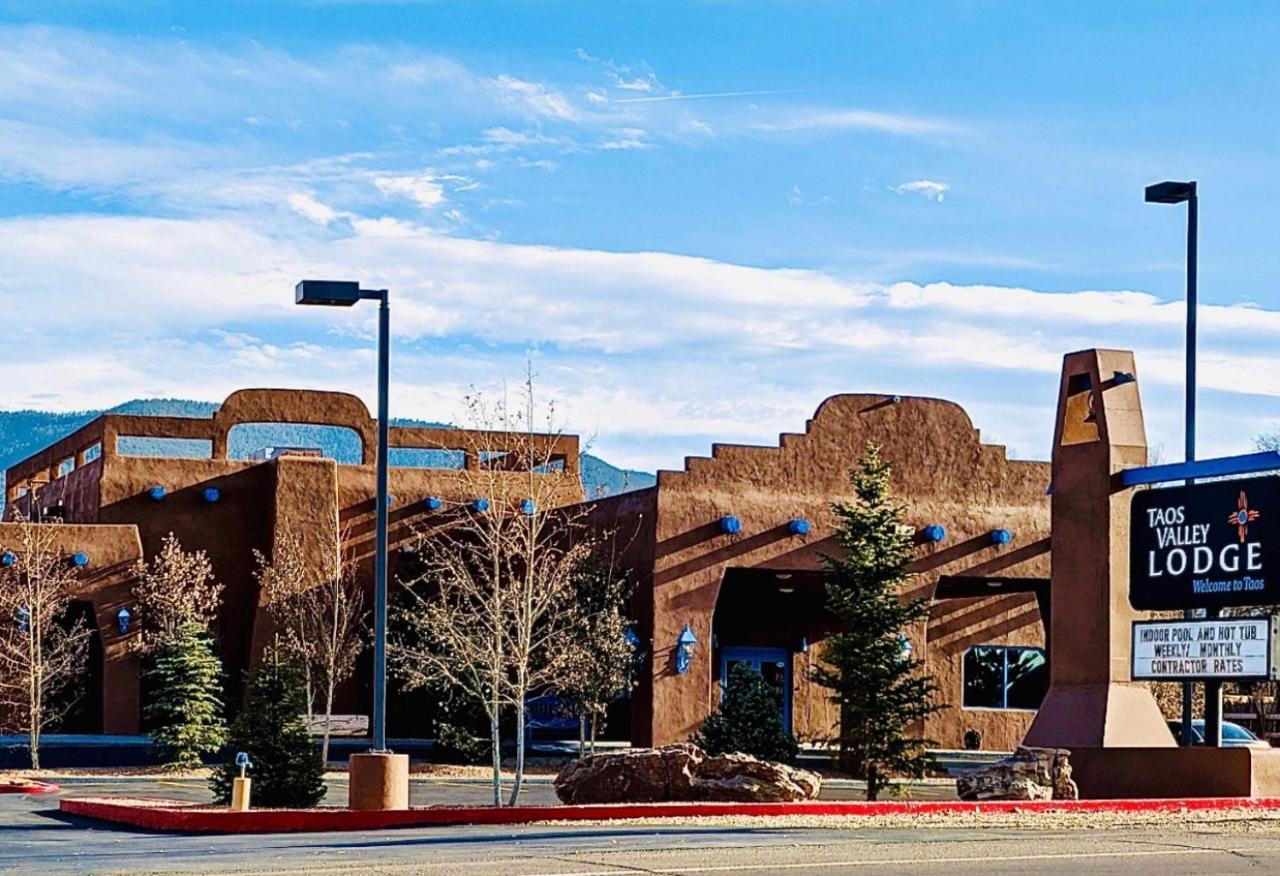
(35, 839)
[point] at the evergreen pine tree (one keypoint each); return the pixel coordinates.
(287, 771)
(879, 689)
(748, 720)
(185, 713)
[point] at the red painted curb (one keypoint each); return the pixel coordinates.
(172, 815)
(28, 787)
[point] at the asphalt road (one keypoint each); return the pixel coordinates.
(34, 839)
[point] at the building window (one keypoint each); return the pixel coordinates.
(1001, 677)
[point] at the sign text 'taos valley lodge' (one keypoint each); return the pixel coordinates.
(1208, 545)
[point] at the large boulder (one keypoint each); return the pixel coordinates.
(743, 778)
(641, 775)
(1030, 774)
(681, 772)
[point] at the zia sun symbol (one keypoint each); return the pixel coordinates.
(1242, 516)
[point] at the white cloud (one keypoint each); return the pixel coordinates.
(658, 352)
(536, 97)
(926, 188)
(309, 208)
(627, 138)
(856, 120)
(626, 77)
(424, 188)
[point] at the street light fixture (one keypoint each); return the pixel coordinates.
(1175, 192)
(345, 293)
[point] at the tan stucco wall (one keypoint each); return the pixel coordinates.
(943, 474)
(259, 502)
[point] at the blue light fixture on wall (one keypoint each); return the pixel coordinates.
(527, 507)
(479, 505)
(8, 558)
(123, 617)
(79, 560)
(799, 526)
(212, 495)
(730, 525)
(433, 503)
(23, 619)
(156, 493)
(1001, 536)
(934, 532)
(685, 645)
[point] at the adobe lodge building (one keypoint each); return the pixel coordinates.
(725, 554)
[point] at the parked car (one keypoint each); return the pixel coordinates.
(1233, 735)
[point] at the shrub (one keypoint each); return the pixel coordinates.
(748, 720)
(185, 715)
(457, 744)
(287, 771)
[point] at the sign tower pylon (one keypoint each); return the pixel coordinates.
(1091, 702)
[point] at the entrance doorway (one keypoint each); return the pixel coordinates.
(774, 666)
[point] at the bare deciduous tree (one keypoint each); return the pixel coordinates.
(492, 612)
(42, 651)
(177, 586)
(600, 665)
(317, 606)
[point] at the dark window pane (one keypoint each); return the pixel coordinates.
(984, 678)
(1028, 678)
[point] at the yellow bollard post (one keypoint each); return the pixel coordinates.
(241, 785)
(240, 794)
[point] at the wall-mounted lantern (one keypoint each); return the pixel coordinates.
(934, 533)
(1001, 536)
(156, 493)
(212, 495)
(799, 526)
(8, 558)
(79, 560)
(433, 503)
(730, 525)
(23, 619)
(803, 647)
(479, 505)
(123, 616)
(904, 646)
(527, 507)
(685, 644)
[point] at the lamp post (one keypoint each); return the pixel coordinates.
(384, 791)
(1173, 192)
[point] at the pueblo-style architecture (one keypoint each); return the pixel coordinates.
(725, 554)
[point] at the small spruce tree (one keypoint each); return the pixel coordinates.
(287, 770)
(879, 689)
(185, 715)
(748, 720)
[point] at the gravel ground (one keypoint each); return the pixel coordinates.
(1230, 821)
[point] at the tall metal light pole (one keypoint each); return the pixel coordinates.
(331, 293)
(1171, 192)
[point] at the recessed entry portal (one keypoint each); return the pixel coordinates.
(774, 666)
(769, 619)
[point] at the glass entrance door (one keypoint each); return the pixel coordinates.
(773, 664)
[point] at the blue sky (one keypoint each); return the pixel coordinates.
(698, 219)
